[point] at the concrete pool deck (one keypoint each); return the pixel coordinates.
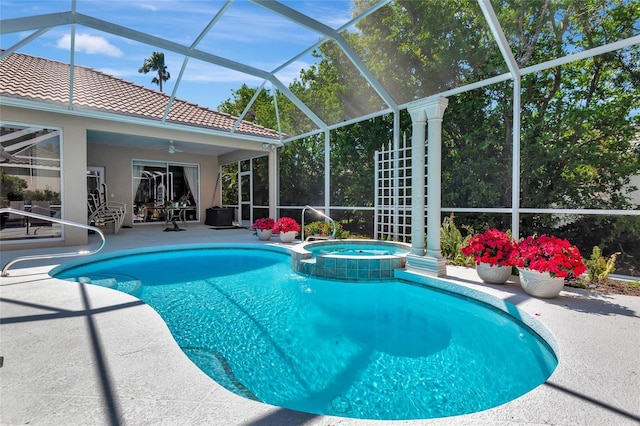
(77, 354)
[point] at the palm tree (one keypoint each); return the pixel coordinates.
(156, 63)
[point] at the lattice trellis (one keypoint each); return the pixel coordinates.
(393, 192)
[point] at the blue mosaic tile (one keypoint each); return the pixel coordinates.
(329, 272)
(329, 261)
(385, 264)
(363, 264)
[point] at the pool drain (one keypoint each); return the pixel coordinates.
(340, 404)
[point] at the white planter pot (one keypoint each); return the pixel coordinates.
(264, 234)
(287, 237)
(493, 274)
(540, 284)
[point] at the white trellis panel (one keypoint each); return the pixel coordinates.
(393, 193)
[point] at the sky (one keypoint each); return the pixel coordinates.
(245, 33)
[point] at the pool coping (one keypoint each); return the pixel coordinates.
(82, 354)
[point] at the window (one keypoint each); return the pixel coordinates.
(30, 180)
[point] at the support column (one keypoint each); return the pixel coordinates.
(327, 173)
(274, 172)
(435, 112)
(418, 123)
(433, 263)
(73, 173)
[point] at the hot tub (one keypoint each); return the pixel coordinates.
(353, 260)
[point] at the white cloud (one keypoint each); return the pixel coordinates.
(90, 44)
(218, 75)
(115, 72)
(149, 7)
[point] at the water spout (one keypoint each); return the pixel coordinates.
(335, 227)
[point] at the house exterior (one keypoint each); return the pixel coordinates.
(110, 135)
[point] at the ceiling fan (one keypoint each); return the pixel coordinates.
(172, 149)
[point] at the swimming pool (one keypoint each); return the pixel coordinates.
(377, 350)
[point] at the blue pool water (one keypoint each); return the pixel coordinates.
(360, 249)
(378, 350)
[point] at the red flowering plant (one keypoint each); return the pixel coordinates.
(325, 229)
(492, 246)
(551, 254)
(286, 224)
(263, 224)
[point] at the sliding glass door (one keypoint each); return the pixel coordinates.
(157, 185)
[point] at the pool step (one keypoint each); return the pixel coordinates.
(128, 287)
(104, 282)
(81, 280)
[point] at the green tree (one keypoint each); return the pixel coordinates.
(156, 64)
(11, 187)
(261, 112)
(417, 49)
(352, 160)
(302, 172)
(301, 162)
(578, 121)
(229, 183)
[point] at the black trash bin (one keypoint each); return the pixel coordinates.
(218, 216)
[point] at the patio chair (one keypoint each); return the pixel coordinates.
(106, 213)
(12, 220)
(42, 208)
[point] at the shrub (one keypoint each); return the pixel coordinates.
(451, 243)
(599, 268)
(325, 229)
